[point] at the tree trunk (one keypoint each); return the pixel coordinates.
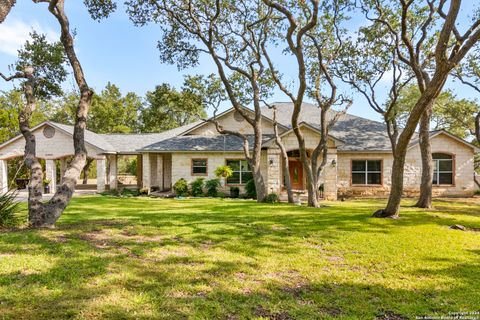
(86, 171)
(477, 127)
(286, 174)
(283, 152)
(426, 100)
(35, 206)
(53, 209)
(5, 7)
(425, 199)
(259, 184)
(312, 193)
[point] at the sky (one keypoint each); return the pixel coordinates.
(114, 50)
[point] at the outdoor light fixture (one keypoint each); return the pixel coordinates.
(334, 163)
(271, 162)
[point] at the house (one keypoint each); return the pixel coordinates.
(359, 155)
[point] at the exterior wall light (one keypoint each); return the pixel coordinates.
(334, 163)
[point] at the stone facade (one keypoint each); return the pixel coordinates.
(463, 171)
(161, 169)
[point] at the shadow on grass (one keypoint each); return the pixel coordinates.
(101, 264)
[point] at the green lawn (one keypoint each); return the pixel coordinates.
(141, 258)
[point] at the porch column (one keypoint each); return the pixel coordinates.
(3, 176)
(139, 171)
(63, 168)
(101, 173)
(146, 172)
(51, 174)
(160, 172)
(153, 170)
(330, 184)
(113, 172)
(273, 178)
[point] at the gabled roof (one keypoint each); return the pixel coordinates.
(91, 138)
(435, 133)
(338, 142)
(357, 133)
(216, 143)
(131, 143)
(226, 112)
(114, 143)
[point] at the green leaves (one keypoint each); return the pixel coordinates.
(48, 61)
(166, 108)
(100, 9)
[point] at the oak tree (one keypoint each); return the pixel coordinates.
(429, 52)
(230, 33)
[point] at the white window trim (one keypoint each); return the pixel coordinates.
(437, 173)
(240, 171)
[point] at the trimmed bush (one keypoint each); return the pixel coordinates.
(212, 187)
(181, 188)
(272, 198)
(196, 187)
(250, 190)
(8, 209)
(234, 192)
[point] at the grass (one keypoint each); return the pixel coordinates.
(142, 258)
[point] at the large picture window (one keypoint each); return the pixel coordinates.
(199, 167)
(442, 169)
(242, 172)
(366, 172)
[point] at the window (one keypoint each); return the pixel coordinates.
(365, 172)
(442, 168)
(199, 167)
(241, 172)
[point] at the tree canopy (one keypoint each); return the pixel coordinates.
(167, 108)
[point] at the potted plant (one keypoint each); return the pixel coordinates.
(223, 172)
(46, 185)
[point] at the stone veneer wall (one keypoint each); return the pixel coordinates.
(182, 165)
(329, 175)
(464, 171)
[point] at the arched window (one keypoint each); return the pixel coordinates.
(442, 168)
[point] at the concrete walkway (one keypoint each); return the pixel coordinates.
(22, 195)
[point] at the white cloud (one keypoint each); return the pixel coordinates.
(14, 33)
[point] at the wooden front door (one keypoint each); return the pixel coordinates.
(296, 174)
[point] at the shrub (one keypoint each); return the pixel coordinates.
(181, 188)
(272, 198)
(224, 172)
(196, 187)
(142, 192)
(212, 187)
(234, 192)
(477, 192)
(8, 208)
(250, 190)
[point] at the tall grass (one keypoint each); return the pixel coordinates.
(9, 206)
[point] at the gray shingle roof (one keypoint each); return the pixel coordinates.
(202, 143)
(90, 137)
(358, 133)
(131, 143)
(125, 143)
